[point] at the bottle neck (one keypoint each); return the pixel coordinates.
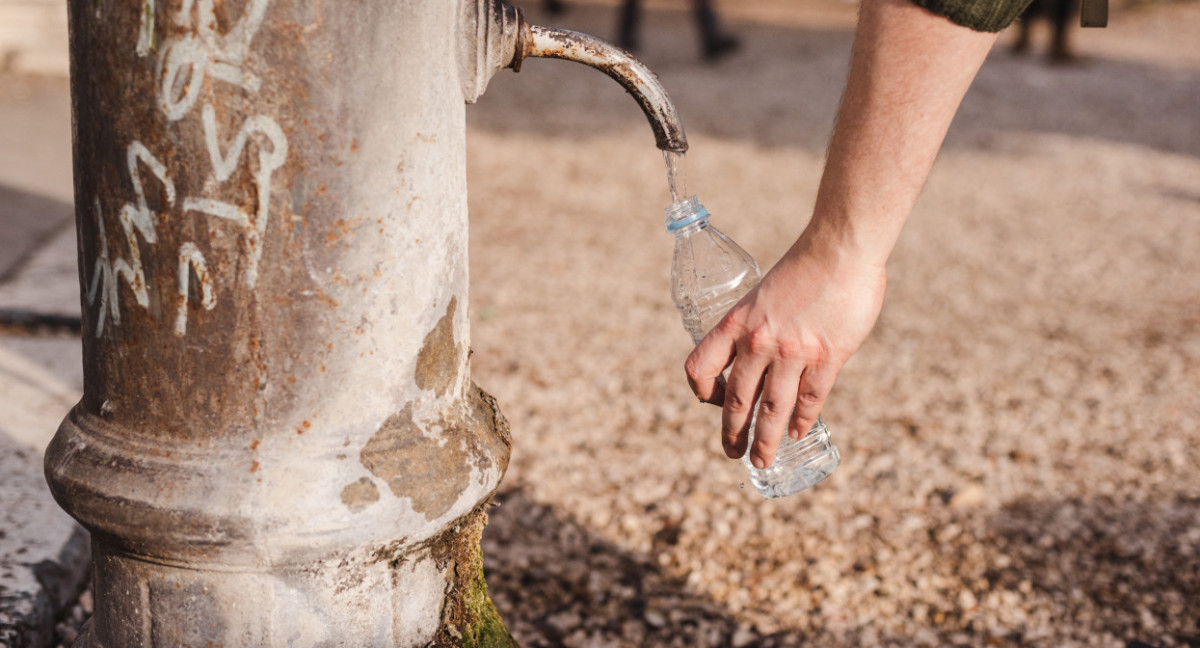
(686, 216)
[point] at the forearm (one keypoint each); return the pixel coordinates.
(909, 71)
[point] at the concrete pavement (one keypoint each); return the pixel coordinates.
(44, 554)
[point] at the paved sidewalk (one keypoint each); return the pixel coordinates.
(44, 554)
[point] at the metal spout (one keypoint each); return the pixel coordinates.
(620, 65)
(497, 36)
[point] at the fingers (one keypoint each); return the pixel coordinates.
(705, 364)
(774, 411)
(741, 393)
(815, 385)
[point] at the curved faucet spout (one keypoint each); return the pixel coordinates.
(632, 74)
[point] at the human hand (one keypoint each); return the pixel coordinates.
(786, 340)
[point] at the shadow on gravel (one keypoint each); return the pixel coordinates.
(556, 583)
(28, 221)
(782, 89)
(1130, 569)
(1133, 568)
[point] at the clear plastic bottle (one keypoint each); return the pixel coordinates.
(709, 274)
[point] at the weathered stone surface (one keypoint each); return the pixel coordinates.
(43, 552)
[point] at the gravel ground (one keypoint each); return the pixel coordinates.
(1019, 435)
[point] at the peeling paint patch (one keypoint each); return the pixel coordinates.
(416, 466)
(360, 495)
(433, 473)
(438, 360)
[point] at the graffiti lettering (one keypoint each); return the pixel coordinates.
(183, 65)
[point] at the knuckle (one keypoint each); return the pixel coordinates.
(736, 403)
(771, 408)
(727, 329)
(760, 341)
(807, 401)
(790, 349)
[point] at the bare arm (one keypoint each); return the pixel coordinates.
(791, 335)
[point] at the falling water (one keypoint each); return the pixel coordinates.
(676, 175)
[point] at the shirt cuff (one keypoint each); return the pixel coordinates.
(980, 15)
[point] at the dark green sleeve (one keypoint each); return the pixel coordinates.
(980, 15)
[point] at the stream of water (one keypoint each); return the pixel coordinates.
(676, 175)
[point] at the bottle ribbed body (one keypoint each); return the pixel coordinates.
(709, 275)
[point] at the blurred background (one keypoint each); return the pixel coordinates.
(1019, 435)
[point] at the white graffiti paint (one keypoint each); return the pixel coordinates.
(135, 218)
(184, 63)
(191, 261)
(184, 66)
(254, 226)
(103, 280)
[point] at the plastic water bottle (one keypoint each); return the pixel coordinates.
(709, 274)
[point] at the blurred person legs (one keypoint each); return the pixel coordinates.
(1059, 14)
(714, 41)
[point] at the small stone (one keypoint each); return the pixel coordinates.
(972, 495)
(742, 637)
(564, 622)
(655, 618)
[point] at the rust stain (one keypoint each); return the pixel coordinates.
(254, 444)
(439, 358)
(254, 466)
(354, 145)
(327, 299)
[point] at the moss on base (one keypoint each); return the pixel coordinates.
(469, 618)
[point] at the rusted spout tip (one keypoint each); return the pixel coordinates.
(621, 66)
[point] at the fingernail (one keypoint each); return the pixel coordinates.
(758, 462)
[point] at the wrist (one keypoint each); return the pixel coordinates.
(844, 242)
